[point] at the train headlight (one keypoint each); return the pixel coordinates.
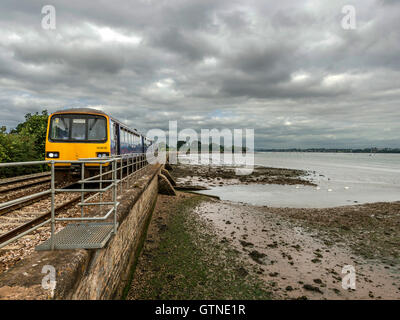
(53, 155)
(102, 154)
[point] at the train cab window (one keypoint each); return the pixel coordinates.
(96, 129)
(78, 129)
(60, 128)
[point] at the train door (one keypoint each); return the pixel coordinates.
(117, 139)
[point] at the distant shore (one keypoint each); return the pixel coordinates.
(368, 150)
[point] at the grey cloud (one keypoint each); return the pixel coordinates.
(286, 69)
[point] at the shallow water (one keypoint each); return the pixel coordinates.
(342, 179)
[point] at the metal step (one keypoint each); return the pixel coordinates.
(80, 236)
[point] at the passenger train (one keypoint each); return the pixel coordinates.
(88, 133)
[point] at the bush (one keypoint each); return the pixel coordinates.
(25, 143)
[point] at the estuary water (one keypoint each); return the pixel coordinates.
(341, 178)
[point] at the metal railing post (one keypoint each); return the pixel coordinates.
(135, 165)
(101, 187)
(127, 172)
(53, 193)
(82, 186)
(120, 185)
(114, 167)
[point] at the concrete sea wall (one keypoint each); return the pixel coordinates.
(90, 274)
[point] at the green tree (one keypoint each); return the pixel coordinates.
(35, 126)
(24, 143)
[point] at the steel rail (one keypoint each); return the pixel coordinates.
(26, 185)
(16, 179)
(23, 199)
(18, 203)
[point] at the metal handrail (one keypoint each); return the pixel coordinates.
(133, 163)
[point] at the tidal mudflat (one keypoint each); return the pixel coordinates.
(300, 252)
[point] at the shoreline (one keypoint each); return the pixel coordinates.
(375, 217)
(297, 253)
(202, 248)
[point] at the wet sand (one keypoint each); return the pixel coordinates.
(300, 253)
(295, 262)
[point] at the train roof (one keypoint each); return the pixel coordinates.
(91, 110)
(81, 110)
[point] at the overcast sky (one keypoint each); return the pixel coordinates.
(287, 69)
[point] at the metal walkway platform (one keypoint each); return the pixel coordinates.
(80, 236)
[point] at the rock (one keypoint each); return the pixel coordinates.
(169, 177)
(273, 245)
(190, 188)
(297, 247)
(164, 186)
(337, 291)
(289, 288)
(257, 256)
(310, 287)
(318, 255)
(246, 244)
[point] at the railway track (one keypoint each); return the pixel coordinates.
(32, 221)
(20, 196)
(23, 216)
(22, 182)
(19, 222)
(26, 212)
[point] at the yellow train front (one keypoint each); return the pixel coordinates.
(87, 133)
